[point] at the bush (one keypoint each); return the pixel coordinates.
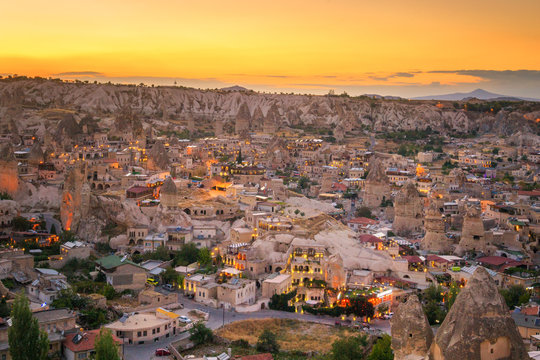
(281, 301)
(240, 343)
(200, 334)
(267, 342)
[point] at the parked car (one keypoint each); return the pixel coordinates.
(162, 352)
(167, 287)
(152, 281)
(184, 319)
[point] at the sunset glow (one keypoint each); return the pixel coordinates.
(308, 46)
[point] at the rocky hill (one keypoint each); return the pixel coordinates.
(24, 98)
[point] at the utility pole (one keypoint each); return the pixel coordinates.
(223, 306)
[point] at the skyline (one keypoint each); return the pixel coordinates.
(389, 48)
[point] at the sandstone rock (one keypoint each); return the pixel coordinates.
(408, 207)
(472, 233)
(435, 239)
(411, 332)
(168, 194)
(157, 157)
(9, 177)
(377, 186)
(478, 326)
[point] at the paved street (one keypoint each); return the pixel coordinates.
(218, 317)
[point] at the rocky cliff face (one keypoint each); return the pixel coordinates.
(411, 333)
(478, 326)
(130, 104)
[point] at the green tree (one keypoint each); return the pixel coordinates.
(434, 313)
(239, 158)
(26, 340)
(451, 295)
(169, 276)
(53, 229)
(200, 334)
(4, 308)
(5, 196)
(205, 257)
(350, 348)
(382, 350)
(381, 309)
(109, 292)
(188, 254)
(434, 293)
(515, 295)
(360, 306)
(20, 223)
(105, 347)
(364, 211)
(267, 342)
(303, 182)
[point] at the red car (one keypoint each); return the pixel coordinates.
(162, 352)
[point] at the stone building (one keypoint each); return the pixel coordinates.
(408, 207)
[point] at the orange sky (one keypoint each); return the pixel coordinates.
(294, 44)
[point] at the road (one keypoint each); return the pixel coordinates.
(218, 317)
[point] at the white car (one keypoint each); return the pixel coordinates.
(184, 319)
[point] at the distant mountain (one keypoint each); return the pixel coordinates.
(235, 88)
(478, 94)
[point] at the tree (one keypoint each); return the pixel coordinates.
(239, 157)
(303, 182)
(381, 309)
(360, 306)
(20, 223)
(364, 211)
(26, 340)
(205, 257)
(187, 255)
(267, 342)
(350, 348)
(169, 276)
(452, 294)
(200, 334)
(434, 313)
(382, 350)
(53, 230)
(109, 292)
(515, 295)
(105, 347)
(4, 308)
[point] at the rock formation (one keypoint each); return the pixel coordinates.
(75, 198)
(157, 157)
(243, 118)
(472, 233)
(168, 194)
(408, 207)
(478, 326)
(435, 239)
(377, 187)
(411, 333)
(9, 178)
(130, 107)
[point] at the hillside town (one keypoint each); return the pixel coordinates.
(149, 231)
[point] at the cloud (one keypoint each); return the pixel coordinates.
(392, 76)
(80, 73)
(403, 74)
